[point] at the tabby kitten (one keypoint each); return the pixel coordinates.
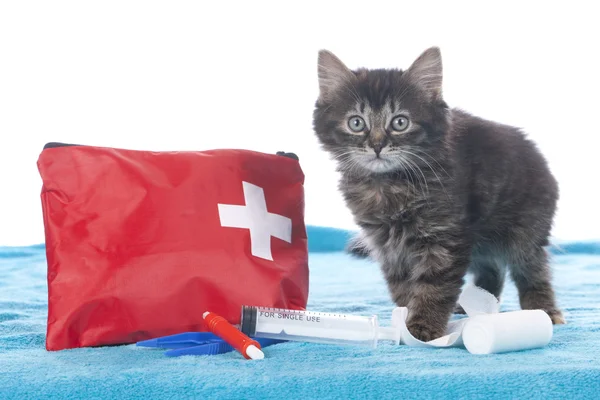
(436, 191)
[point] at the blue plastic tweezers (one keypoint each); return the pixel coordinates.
(197, 344)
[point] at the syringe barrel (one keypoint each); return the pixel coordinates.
(309, 326)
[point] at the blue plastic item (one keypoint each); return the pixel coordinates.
(196, 343)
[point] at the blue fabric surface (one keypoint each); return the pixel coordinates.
(569, 367)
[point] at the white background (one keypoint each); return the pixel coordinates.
(177, 75)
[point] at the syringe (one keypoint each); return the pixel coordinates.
(317, 327)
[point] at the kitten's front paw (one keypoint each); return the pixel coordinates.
(557, 317)
(423, 332)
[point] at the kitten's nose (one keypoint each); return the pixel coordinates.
(377, 143)
(377, 148)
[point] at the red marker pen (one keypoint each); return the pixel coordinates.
(218, 325)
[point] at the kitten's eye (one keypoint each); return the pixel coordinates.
(356, 124)
(399, 123)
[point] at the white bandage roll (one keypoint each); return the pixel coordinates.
(507, 331)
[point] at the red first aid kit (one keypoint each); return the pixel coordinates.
(139, 244)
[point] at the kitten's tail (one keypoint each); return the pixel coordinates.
(357, 247)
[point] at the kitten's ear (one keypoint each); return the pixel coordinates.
(426, 71)
(333, 74)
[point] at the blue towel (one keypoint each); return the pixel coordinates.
(569, 367)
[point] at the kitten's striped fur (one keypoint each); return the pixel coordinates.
(450, 194)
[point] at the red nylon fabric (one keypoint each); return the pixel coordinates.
(136, 249)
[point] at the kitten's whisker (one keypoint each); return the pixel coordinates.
(353, 166)
(347, 162)
(353, 90)
(327, 108)
(409, 175)
(354, 95)
(342, 156)
(339, 156)
(430, 167)
(424, 153)
(350, 89)
(417, 168)
(344, 153)
(398, 97)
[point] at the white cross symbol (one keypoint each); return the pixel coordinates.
(255, 217)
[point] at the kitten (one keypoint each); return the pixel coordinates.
(436, 191)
